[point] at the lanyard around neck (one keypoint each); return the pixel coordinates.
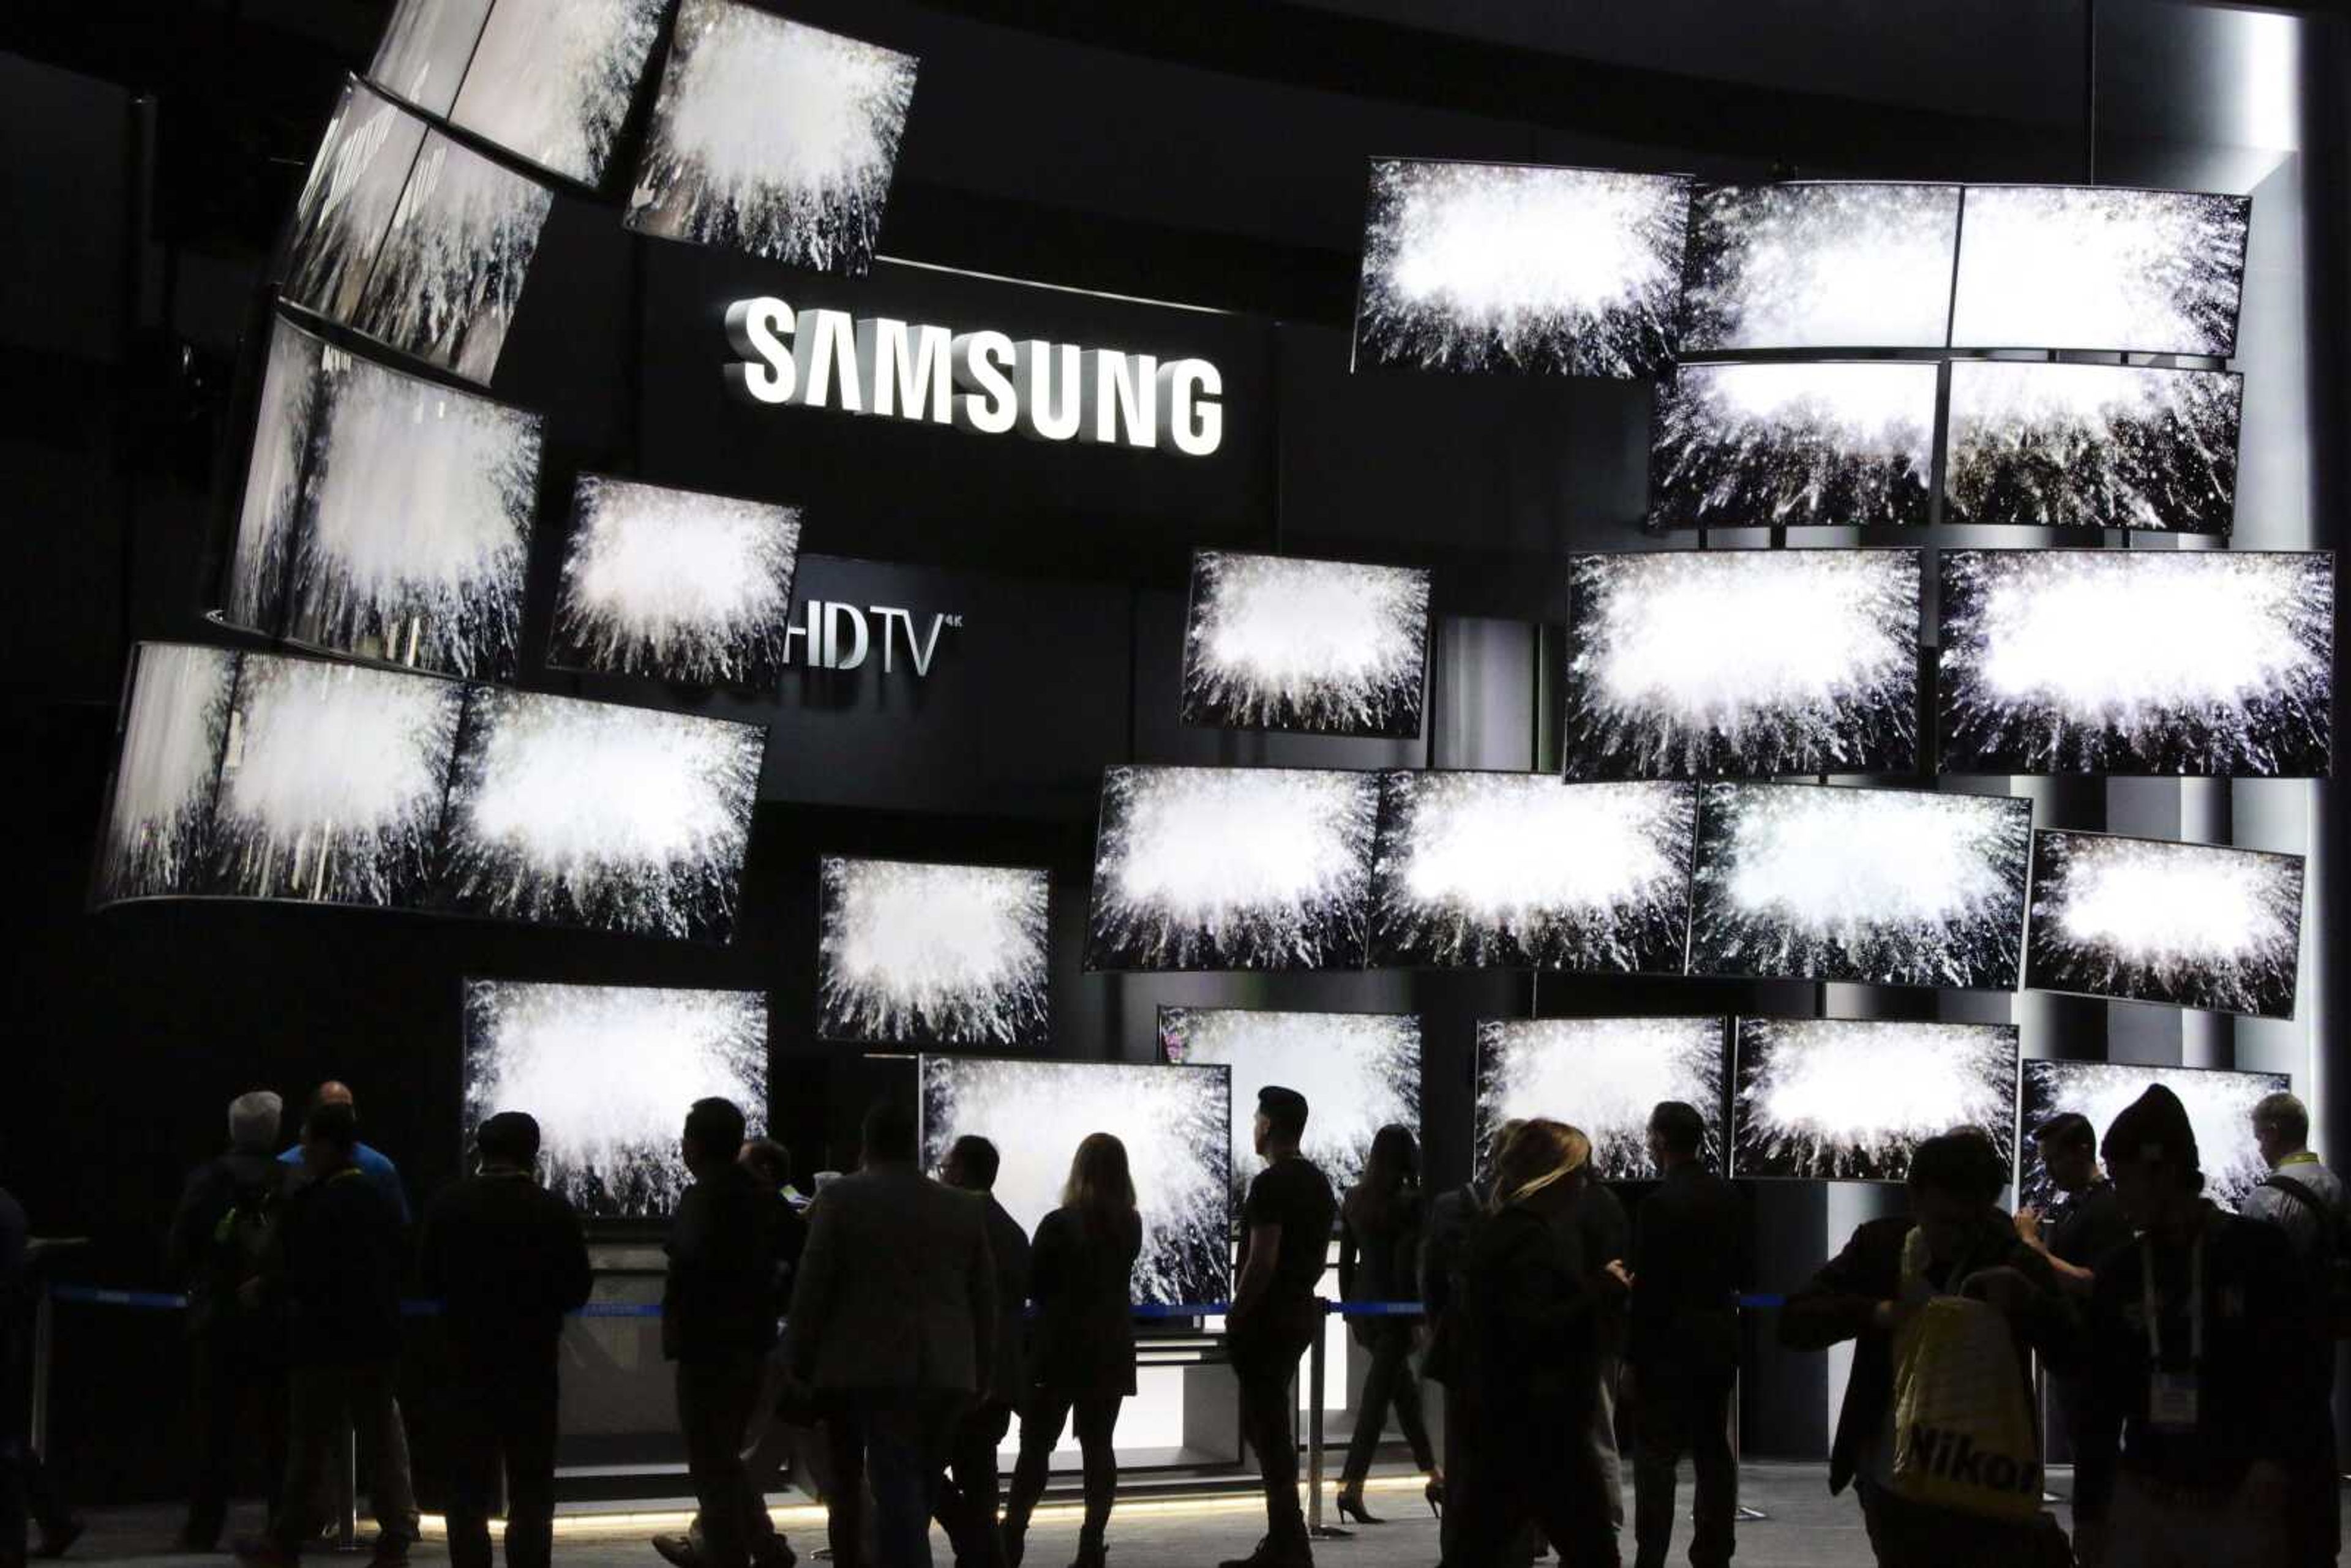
(2195, 1301)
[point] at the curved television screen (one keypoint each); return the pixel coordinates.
(2219, 1108)
(1819, 264)
(1832, 1099)
(1791, 445)
(1324, 646)
(935, 955)
(1604, 1076)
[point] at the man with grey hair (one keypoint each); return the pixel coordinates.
(219, 1236)
(2305, 1200)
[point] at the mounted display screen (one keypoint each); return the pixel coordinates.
(1791, 445)
(1819, 264)
(2219, 1108)
(1828, 1100)
(1325, 646)
(1604, 1076)
(934, 954)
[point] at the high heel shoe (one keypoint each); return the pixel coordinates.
(1350, 1505)
(1434, 1492)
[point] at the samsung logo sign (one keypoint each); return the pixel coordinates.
(987, 382)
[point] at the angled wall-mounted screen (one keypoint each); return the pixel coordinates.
(675, 585)
(772, 136)
(2148, 920)
(157, 840)
(1820, 265)
(1789, 446)
(1604, 1076)
(1827, 1100)
(2219, 1108)
(1359, 1071)
(931, 955)
(1702, 663)
(1520, 267)
(2077, 267)
(1174, 1122)
(346, 206)
(1232, 868)
(609, 1073)
(1894, 887)
(1502, 871)
(421, 58)
(2091, 446)
(551, 80)
(1325, 646)
(2158, 662)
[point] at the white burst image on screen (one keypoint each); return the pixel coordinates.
(1173, 1120)
(270, 514)
(2194, 925)
(1489, 266)
(1700, 663)
(158, 832)
(609, 1073)
(347, 202)
(1828, 1100)
(1326, 646)
(2219, 1107)
(421, 58)
(1520, 870)
(1359, 1071)
(1788, 445)
(551, 81)
(772, 136)
(1824, 264)
(936, 955)
(1604, 1076)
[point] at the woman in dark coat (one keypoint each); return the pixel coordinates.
(1379, 1244)
(1082, 1359)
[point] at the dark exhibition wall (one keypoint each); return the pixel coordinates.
(1193, 189)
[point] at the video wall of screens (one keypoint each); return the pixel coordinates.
(772, 136)
(2194, 925)
(2171, 663)
(1324, 646)
(1703, 663)
(1232, 868)
(1832, 1099)
(675, 585)
(1819, 264)
(1176, 1124)
(1359, 1071)
(1520, 870)
(1518, 266)
(2081, 266)
(931, 955)
(1604, 1076)
(2219, 1108)
(1895, 887)
(1779, 444)
(253, 776)
(2091, 446)
(384, 516)
(609, 1073)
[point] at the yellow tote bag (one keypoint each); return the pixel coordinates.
(1963, 1434)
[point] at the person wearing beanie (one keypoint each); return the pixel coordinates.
(2189, 1420)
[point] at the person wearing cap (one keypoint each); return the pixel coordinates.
(1285, 1242)
(506, 1258)
(2191, 1416)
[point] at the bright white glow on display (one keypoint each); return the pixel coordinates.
(1779, 445)
(1517, 870)
(2052, 266)
(1494, 266)
(2219, 1108)
(1359, 1071)
(174, 723)
(2173, 661)
(948, 955)
(1742, 661)
(1232, 868)
(1173, 1120)
(675, 584)
(1604, 1076)
(772, 136)
(1319, 646)
(421, 57)
(551, 79)
(1823, 1100)
(2191, 924)
(447, 282)
(2092, 446)
(269, 517)
(621, 817)
(610, 1072)
(1820, 266)
(1892, 886)
(347, 202)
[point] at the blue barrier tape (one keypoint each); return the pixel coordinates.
(140, 1301)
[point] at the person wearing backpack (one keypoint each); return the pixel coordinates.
(2305, 1200)
(219, 1239)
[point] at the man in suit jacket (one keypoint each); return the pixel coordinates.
(966, 1508)
(893, 1323)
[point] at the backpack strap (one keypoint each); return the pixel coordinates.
(2329, 1223)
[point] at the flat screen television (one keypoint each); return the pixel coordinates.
(919, 953)
(1604, 1076)
(1805, 264)
(1837, 1100)
(551, 80)
(1774, 445)
(2219, 1108)
(1326, 647)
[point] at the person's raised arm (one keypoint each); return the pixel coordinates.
(1257, 1268)
(1846, 1299)
(2071, 1278)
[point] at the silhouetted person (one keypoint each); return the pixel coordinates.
(1380, 1225)
(27, 1487)
(1603, 1238)
(334, 1270)
(506, 1258)
(2305, 1200)
(369, 1161)
(1285, 1239)
(894, 1325)
(718, 1324)
(1451, 1217)
(966, 1506)
(1082, 1360)
(2083, 1224)
(1690, 1246)
(219, 1243)
(2191, 1419)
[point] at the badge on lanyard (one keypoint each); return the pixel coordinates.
(2171, 1395)
(2171, 1401)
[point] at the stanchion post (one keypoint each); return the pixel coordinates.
(45, 1331)
(1315, 1359)
(347, 1528)
(1739, 1510)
